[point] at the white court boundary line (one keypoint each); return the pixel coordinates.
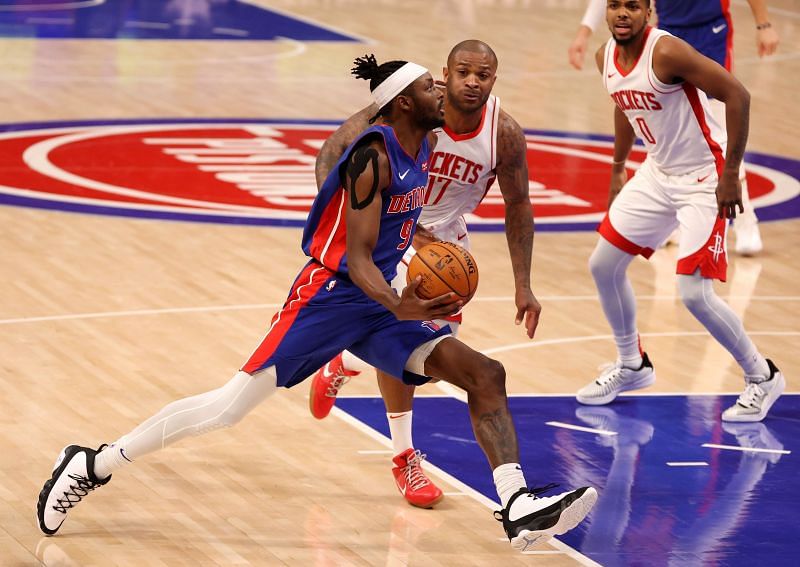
(488, 299)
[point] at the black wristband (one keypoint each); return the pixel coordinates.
(764, 26)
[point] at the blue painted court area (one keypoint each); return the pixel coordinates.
(156, 19)
(658, 505)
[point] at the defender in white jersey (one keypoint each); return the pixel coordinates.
(706, 25)
(478, 144)
(690, 179)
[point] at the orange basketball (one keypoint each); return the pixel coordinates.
(444, 267)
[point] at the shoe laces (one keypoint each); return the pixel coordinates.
(339, 380)
(415, 478)
(752, 395)
(609, 372)
(83, 486)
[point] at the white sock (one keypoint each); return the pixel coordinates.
(400, 430)
(352, 363)
(110, 459)
(755, 366)
(508, 479)
(629, 351)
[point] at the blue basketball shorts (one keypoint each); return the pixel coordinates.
(325, 314)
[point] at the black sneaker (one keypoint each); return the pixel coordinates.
(530, 520)
(73, 478)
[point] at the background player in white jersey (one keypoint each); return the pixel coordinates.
(659, 84)
(478, 144)
(707, 26)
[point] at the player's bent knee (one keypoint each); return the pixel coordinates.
(692, 293)
(489, 376)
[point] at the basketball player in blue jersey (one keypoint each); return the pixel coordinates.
(354, 240)
(690, 179)
(707, 26)
(479, 133)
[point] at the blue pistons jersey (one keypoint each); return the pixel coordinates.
(325, 312)
(690, 12)
(325, 236)
(704, 24)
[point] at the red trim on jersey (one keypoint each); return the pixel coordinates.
(635, 63)
(610, 233)
(700, 115)
(469, 135)
(711, 258)
(726, 11)
(493, 154)
(331, 233)
(305, 287)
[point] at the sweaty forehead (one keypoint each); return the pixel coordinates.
(472, 58)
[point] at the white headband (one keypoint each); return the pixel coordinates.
(396, 82)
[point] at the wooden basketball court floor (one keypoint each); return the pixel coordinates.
(104, 319)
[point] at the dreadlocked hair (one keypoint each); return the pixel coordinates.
(367, 68)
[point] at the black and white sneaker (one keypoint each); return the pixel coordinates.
(530, 520)
(73, 478)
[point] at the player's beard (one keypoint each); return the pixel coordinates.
(631, 38)
(432, 119)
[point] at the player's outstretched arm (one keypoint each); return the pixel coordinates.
(512, 175)
(337, 143)
(366, 176)
(675, 60)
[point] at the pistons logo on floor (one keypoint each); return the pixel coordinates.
(262, 173)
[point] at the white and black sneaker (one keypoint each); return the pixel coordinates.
(73, 478)
(530, 520)
(615, 379)
(758, 396)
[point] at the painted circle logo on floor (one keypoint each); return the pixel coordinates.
(262, 173)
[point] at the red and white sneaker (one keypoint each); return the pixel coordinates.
(326, 385)
(412, 482)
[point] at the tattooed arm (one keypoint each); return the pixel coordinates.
(337, 143)
(512, 174)
(367, 174)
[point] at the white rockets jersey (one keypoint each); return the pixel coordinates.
(674, 121)
(460, 172)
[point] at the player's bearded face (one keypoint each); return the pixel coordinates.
(626, 19)
(429, 101)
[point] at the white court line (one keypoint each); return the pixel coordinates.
(453, 481)
(138, 312)
(580, 339)
(487, 299)
(579, 428)
(746, 449)
(687, 464)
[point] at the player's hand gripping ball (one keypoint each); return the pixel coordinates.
(444, 267)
